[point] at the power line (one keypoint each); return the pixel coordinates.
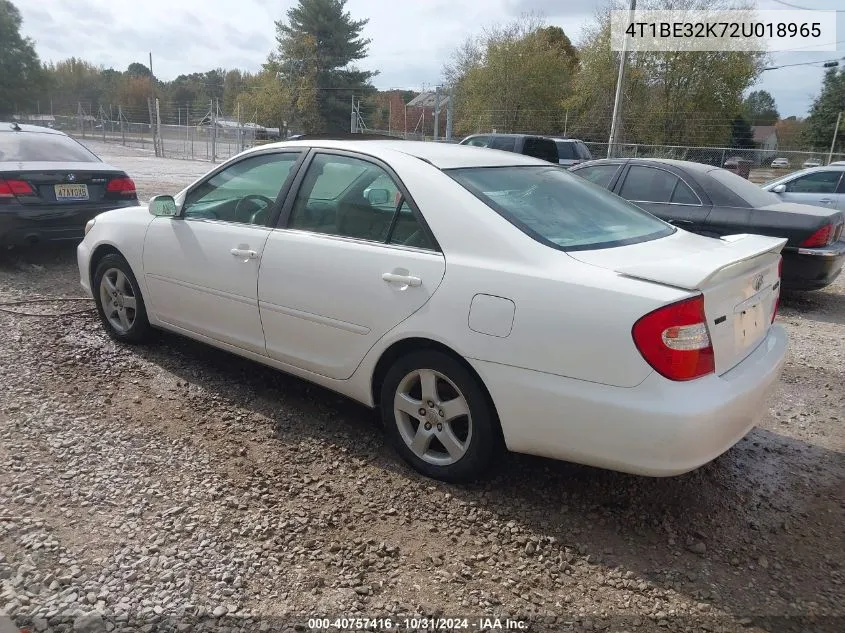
(795, 6)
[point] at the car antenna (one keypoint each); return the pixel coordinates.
(16, 127)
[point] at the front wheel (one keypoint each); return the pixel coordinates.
(438, 416)
(119, 301)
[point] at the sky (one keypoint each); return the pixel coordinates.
(411, 39)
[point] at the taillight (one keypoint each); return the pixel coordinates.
(121, 185)
(777, 299)
(822, 237)
(674, 340)
(12, 188)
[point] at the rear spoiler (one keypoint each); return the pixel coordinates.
(697, 270)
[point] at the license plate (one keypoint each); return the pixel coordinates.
(71, 192)
(751, 324)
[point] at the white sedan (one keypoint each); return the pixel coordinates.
(479, 299)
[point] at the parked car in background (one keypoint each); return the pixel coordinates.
(657, 356)
(716, 202)
(526, 144)
(821, 186)
(812, 162)
(571, 151)
(51, 185)
(780, 163)
(739, 165)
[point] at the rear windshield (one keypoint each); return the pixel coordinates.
(560, 209)
(753, 194)
(29, 147)
(567, 150)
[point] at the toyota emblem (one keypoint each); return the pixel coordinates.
(71, 177)
(757, 282)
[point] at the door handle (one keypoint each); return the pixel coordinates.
(826, 201)
(678, 222)
(245, 253)
(402, 279)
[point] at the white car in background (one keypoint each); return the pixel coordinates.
(780, 163)
(478, 299)
(811, 162)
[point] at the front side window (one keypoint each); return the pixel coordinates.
(818, 182)
(244, 192)
(646, 184)
(558, 209)
(352, 197)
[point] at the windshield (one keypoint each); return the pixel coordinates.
(559, 209)
(745, 189)
(30, 147)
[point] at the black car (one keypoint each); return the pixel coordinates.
(528, 144)
(51, 185)
(715, 202)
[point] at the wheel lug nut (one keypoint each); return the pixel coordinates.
(430, 403)
(422, 411)
(441, 412)
(428, 426)
(439, 427)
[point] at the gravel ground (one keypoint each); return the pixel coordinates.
(176, 487)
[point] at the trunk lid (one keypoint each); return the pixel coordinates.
(737, 275)
(63, 184)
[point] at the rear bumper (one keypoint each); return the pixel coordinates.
(658, 428)
(812, 268)
(20, 226)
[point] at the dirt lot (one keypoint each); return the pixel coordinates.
(175, 487)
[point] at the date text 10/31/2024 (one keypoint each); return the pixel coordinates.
(416, 624)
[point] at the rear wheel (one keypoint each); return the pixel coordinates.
(438, 416)
(119, 301)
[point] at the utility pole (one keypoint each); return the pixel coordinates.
(353, 121)
(620, 81)
(835, 134)
(158, 129)
(213, 133)
(450, 113)
(151, 103)
(120, 120)
(436, 113)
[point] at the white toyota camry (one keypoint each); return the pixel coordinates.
(479, 299)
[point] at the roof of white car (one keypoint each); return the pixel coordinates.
(441, 155)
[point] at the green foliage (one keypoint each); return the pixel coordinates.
(671, 98)
(742, 137)
(759, 108)
(820, 124)
(513, 78)
(316, 46)
(21, 78)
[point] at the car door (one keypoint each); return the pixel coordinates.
(820, 188)
(340, 272)
(201, 266)
(664, 194)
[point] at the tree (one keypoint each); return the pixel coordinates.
(671, 98)
(513, 78)
(820, 124)
(742, 137)
(21, 78)
(790, 132)
(759, 108)
(137, 69)
(316, 46)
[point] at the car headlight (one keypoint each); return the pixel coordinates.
(89, 225)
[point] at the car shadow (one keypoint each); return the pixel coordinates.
(753, 517)
(823, 305)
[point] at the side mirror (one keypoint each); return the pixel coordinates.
(378, 196)
(779, 189)
(162, 206)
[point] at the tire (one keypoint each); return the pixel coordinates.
(453, 448)
(115, 299)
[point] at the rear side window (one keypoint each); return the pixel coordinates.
(567, 150)
(543, 148)
(478, 141)
(40, 147)
(558, 209)
(583, 151)
(506, 143)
